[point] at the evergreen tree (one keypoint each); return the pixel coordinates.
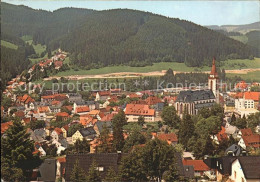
(111, 175)
(17, 151)
(186, 129)
(241, 122)
(105, 145)
(79, 147)
(118, 121)
(135, 138)
(77, 173)
(93, 174)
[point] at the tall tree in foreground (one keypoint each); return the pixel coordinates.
(118, 122)
(17, 153)
(105, 143)
(77, 173)
(93, 174)
(186, 129)
(150, 162)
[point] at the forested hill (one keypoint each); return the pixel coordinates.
(121, 36)
(138, 38)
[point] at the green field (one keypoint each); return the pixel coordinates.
(26, 38)
(251, 76)
(241, 38)
(230, 64)
(8, 44)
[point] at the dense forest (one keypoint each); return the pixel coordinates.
(121, 36)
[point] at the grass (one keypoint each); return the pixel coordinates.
(26, 38)
(9, 45)
(39, 48)
(241, 38)
(230, 64)
(251, 76)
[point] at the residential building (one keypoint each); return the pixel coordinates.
(134, 111)
(88, 133)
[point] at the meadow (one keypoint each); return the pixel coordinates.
(8, 44)
(230, 64)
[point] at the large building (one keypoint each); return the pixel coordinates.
(194, 100)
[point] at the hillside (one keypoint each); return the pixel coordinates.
(137, 38)
(121, 37)
(237, 28)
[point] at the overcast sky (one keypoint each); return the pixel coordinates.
(200, 12)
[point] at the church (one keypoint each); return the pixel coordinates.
(194, 100)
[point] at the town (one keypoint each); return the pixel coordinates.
(213, 134)
(130, 91)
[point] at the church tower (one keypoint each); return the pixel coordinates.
(213, 80)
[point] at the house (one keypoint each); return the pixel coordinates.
(63, 116)
(238, 169)
(155, 102)
(88, 133)
(98, 127)
(87, 120)
(235, 150)
(64, 130)
(74, 97)
(80, 110)
(39, 149)
(199, 166)
(194, 100)
(242, 86)
(104, 161)
(221, 135)
(58, 64)
(102, 95)
(134, 111)
(170, 138)
(48, 170)
(245, 169)
(56, 134)
(249, 139)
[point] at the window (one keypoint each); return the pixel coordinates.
(235, 174)
(242, 179)
(100, 168)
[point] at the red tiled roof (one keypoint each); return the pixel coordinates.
(104, 93)
(58, 63)
(241, 85)
(221, 134)
(252, 95)
(66, 127)
(151, 100)
(68, 107)
(26, 120)
(43, 109)
(80, 109)
(62, 114)
(55, 102)
(108, 117)
(168, 137)
(198, 165)
(246, 132)
(139, 109)
(58, 131)
(134, 95)
(252, 140)
(5, 126)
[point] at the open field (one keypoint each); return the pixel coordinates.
(253, 76)
(26, 38)
(8, 44)
(239, 66)
(241, 38)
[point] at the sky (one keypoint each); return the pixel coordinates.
(200, 12)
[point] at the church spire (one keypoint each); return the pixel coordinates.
(213, 68)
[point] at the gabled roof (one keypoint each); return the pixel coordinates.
(87, 131)
(62, 114)
(198, 165)
(252, 95)
(139, 109)
(242, 85)
(152, 100)
(19, 114)
(108, 117)
(168, 137)
(43, 109)
(48, 170)
(101, 124)
(246, 132)
(195, 95)
(94, 112)
(58, 131)
(222, 134)
(250, 166)
(252, 140)
(105, 160)
(81, 109)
